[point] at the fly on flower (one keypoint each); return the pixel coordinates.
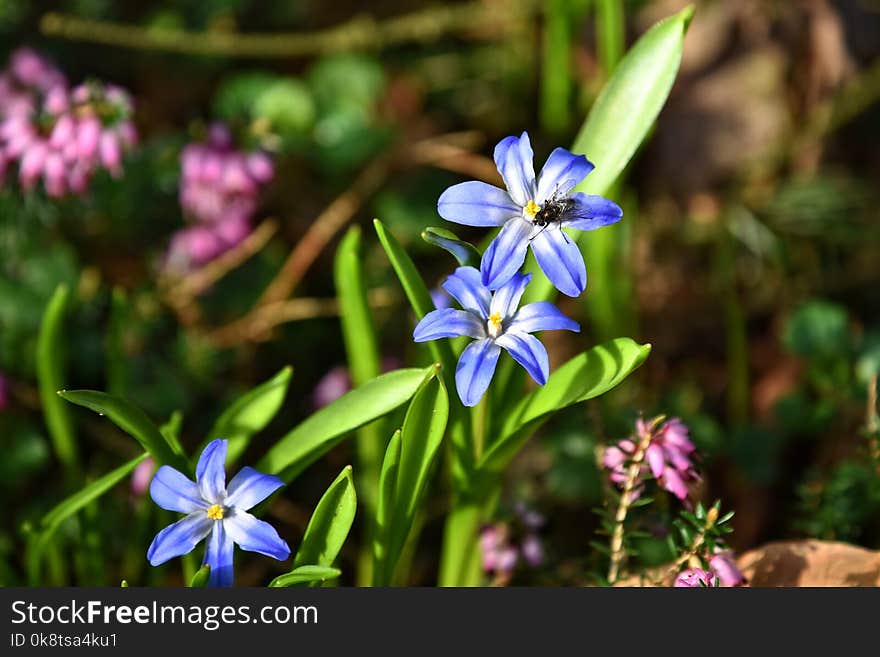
(495, 321)
(532, 211)
(216, 511)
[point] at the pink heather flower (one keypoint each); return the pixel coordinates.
(695, 578)
(668, 457)
(142, 476)
(4, 392)
(498, 556)
(58, 135)
(331, 386)
(724, 566)
(219, 194)
(532, 549)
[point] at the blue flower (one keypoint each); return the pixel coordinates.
(494, 322)
(531, 211)
(215, 511)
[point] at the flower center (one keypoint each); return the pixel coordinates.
(215, 512)
(532, 208)
(494, 325)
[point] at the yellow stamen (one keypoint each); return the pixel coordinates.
(495, 324)
(215, 512)
(532, 208)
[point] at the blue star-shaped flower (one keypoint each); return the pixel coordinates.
(216, 511)
(531, 211)
(495, 322)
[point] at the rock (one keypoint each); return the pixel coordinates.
(811, 563)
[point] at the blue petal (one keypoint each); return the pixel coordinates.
(466, 285)
(179, 538)
(255, 535)
(591, 212)
(211, 471)
(475, 370)
(562, 171)
(174, 491)
(514, 159)
(477, 203)
(249, 487)
(448, 323)
(506, 253)
(219, 555)
(560, 258)
(506, 298)
(542, 316)
(528, 351)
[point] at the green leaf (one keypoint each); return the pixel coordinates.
(417, 293)
(588, 375)
(250, 413)
(133, 421)
(50, 375)
(420, 440)
(305, 575)
(625, 110)
(318, 433)
(72, 505)
(362, 353)
(330, 523)
(200, 579)
(464, 252)
(358, 331)
(385, 507)
(631, 101)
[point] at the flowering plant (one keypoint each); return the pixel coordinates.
(405, 420)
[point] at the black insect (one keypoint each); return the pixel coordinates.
(553, 211)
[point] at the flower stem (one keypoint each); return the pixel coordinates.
(696, 544)
(618, 554)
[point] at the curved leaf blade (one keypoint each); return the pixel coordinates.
(318, 433)
(330, 523)
(586, 376)
(464, 252)
(385, 508)
(624, 112)
(50, 375)
(250, 413)
(305, 575)
(133, 421)
(419, 443)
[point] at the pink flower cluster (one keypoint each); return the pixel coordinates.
(722, 571)
(501, 552)
(219, 194)
(668, 457)
(57, 134)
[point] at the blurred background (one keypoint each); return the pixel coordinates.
(748, 253)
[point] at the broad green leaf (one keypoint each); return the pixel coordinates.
(416, 292)
(318, 433)
(200, 579)
(81, 498)
(420, 440)
(624, 112)
(50, 375)
(464, 252)
(588, 375)
(305, 575)
(330, 523)
(630, 102)
(250, 414)
(133, 421)
(385, 508)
